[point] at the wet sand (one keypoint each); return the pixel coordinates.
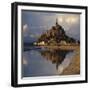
(63, 47)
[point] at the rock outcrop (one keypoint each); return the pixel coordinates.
(56, 35)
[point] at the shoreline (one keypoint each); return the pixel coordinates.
(63, 47)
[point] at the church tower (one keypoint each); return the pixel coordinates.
(57, 22)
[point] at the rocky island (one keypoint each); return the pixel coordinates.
(55, 37)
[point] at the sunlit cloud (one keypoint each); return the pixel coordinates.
(68, 19)
(25, 61)
(60, 19)
(71, 20)
(25, 28)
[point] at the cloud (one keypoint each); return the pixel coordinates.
(68, 19)
(38, 22)
(25, 62)
(25, 28)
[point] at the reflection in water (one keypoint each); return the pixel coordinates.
(66, 62)
(61, 58)
(45, 62)
(55, 56)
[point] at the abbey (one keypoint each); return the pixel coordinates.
(56, 36)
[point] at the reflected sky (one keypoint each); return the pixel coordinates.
(66, 62)
(37, 65)
(45, 62)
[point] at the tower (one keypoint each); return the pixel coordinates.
(57, 22)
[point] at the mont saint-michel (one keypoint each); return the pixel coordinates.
(57, 38)
(50, 44)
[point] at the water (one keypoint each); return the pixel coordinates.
(45, 62)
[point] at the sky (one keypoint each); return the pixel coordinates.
(35, 23)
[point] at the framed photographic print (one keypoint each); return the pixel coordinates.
(49, 44)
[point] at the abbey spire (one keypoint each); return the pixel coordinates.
(57, 22)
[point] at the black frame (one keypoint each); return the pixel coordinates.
(14, 43)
